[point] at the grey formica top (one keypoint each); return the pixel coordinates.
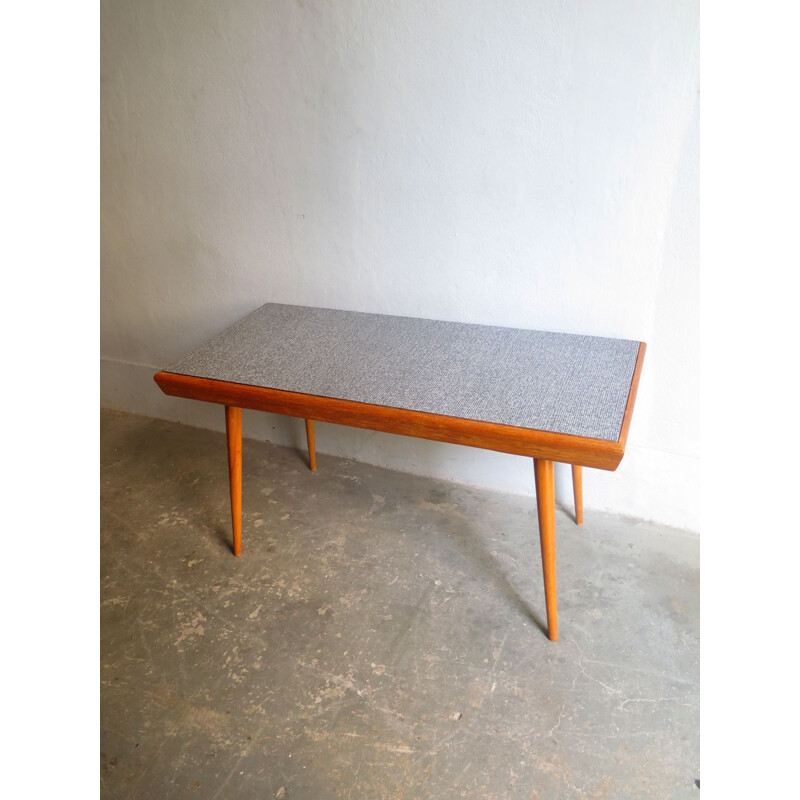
(557, 382)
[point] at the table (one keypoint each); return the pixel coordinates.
(555, 397)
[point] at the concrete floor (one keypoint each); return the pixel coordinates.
(381, 636)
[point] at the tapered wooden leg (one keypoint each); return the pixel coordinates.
(233, 427)
(577, 490)
(312, 450)
(546, 506)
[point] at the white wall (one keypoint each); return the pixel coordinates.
(530, 164)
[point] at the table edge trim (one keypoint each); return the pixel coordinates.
(628, 415)
(566, 448)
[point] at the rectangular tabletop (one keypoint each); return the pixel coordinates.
(526, 390)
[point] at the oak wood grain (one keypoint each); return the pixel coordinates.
(577, 492)
(546, 508)
(233, 429)
(626, 419)
(599, 453)
(312, 447)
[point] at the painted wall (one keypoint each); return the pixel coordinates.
(530, 164)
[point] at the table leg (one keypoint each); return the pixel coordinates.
(312, 450)
(546, 506)
(233, 427)
(577, 490)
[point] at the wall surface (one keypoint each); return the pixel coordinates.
(528, 164)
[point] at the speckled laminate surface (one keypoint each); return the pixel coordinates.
(558, 382)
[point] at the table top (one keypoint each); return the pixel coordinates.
(556, 382)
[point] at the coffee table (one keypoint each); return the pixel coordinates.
(550, 396)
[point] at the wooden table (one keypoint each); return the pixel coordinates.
(551, 396)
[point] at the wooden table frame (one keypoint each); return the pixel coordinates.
(543, 446)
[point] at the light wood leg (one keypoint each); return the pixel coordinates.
(233, 427)
(546, 506)
(577, 490)
(312, 450)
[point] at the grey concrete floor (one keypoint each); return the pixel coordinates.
(381, 636)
